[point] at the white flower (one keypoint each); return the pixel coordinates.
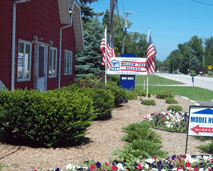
(146, 166)
(120, 167)
(70, 167)
(201, 169)
(205, 158)
(150, 160)
(154, 169)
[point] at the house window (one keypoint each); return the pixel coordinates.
(24, 60)
(68, 62)
(53, 62)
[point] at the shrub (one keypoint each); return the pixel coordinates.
(143, 93)
(131, 94)
(120, 94)
(171, 101)
(148, 102)
(175, 108)
(164, 94)
(142, 143)
(207, 148)
(91, 81)
(103, 101)
(49, 119)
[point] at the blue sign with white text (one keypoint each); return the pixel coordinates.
(127, 81)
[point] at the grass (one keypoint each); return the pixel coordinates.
(155, 80)
(193, 93)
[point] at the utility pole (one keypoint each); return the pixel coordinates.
(126, 25)
(112, 7)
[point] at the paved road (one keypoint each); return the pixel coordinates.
(202, 82)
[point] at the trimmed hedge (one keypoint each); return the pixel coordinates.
(171, 101)
(148, 102)
(103, 101)
(164, 94)
(49, 119)
(175, 108)
(120, 94)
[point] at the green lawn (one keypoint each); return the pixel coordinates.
(155, 80)
(193, 93)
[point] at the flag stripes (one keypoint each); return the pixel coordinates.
(150, 63)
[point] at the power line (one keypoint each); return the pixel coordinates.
(203, 3)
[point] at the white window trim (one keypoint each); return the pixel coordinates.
(52, 49)
(23, 73)
(66, 56)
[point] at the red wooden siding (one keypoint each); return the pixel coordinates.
(36, 17)
(69, 44)
(41, 18)
(5, 41)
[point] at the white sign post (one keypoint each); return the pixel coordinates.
(200, 122)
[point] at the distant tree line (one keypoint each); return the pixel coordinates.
(191, 55)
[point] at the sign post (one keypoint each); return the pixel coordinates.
(200, 122)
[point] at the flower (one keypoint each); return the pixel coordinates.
(98, 164)
(106, 164)
(113, 168)
(188, 164)
(92, 166)
(139, 166)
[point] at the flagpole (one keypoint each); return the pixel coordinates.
(147, 89)
(105, 56)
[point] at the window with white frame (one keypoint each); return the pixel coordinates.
(24, 60)
(53, 62)
(68, 62)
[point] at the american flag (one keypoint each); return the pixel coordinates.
(107, 51)
(150, 64)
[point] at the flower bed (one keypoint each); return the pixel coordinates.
(181, 163)
(172, 121)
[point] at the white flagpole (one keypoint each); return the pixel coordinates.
(147, 89)
(105, 55)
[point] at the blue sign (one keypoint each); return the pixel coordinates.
(127, 81)
(207, 111)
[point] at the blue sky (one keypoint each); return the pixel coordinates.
(171, 21)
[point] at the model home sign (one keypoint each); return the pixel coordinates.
(200, 121)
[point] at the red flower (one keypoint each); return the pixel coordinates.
(93, 166)
(179, 159)
(195, 169)
(103, 169)
(211, 160)
(209, 169)
(113, 168)
(187, 169)
(154, 158)
(139, 166)
(34, 170)
(178, 168)
(188, 164)
(106, 164)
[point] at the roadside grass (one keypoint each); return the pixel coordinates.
(155, 80)
(193, 93)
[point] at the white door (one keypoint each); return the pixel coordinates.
(42, 67)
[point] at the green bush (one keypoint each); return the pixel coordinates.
(148, 102)
(142, 143)
(131, 94)
(143, 93)
(49, 119)
(207, 148)
(91, 81)
(120, 94)
(103, 101)
(164, 94)
(175, 108)
(171, 101)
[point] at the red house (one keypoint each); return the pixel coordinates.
(38, 42)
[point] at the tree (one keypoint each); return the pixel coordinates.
(208, 52)
(175, 59)
(88, 61)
